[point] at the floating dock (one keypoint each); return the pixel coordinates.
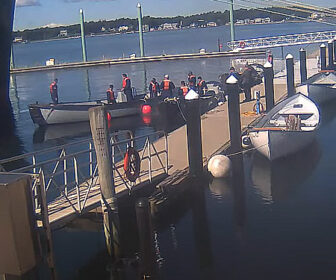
(110, 62)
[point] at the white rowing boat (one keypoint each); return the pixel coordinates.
(321, 87)
(289, 127)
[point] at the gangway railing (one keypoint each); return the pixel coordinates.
(282, 40)
(69, 172)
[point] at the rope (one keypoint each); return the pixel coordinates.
(245, 151)
(178, 105)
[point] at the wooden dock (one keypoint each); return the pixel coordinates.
(111, 62)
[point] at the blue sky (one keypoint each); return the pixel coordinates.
(36, 13)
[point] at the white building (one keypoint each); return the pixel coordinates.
(63, 33)
(169, 26)
(211, 24)
(123, 28)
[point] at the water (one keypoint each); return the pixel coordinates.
(274, 221)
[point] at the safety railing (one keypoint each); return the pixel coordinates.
(70, 172)
(283, 40)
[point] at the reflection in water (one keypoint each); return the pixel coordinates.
(201, 230)
(87, 84)
(275, 180)
(220, 187)
(238, 189)
(328, 112)
(13, 95)
(72, 130)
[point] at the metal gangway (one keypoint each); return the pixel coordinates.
(66, 176)
(282, 41)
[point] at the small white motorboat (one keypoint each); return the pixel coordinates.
(289, 127)
(320, 87)
(72, 112)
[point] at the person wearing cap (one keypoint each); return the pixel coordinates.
(246, 82)
(167, 87)
(54, 91)
(191, 80)
(127, 87)
(154, 88)
(110, 95)
(201, 86)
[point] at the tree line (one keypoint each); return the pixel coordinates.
(110, 26)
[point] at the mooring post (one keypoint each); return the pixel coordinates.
(323, 57)
(234, 113)
(232, 22)
(83, 35)
(303, 65)
(290, 75)
(334, 45)
(100, 135)
(269, 85)
(194, 135)
(142, 49)
(146, 239)
(330, 55)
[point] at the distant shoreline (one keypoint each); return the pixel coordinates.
(167, 30)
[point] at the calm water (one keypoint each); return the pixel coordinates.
(273, 221)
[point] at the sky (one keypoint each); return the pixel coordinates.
(37, 13)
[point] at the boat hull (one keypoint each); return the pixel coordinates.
(72, 113)
(278, 144)
(318, 93)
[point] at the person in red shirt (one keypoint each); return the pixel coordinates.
(154, 88)
(110, 95)
(192, 80)
(127, 87)
(201, 86)
(183, 89)
(54, 91)
(167, 87)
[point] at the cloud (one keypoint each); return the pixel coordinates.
(25, 3)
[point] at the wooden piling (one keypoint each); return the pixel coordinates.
(290, 75)
(269, 85)
(100, 135)
(194, 135)
(234, 113)
(323, 57)
(330, 55)
(145, 231)
(303, 65)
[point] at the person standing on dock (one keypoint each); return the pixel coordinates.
(154, 88)
(192, 80)
(54, 91)
(201, 86)
(183, 89)
(110, 95)
(246, 81)
(167, 87)
(127, 87)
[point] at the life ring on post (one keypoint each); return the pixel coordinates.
(132, 164)
(242, 44)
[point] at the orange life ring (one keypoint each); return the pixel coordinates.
(132, 164)
(242, 44)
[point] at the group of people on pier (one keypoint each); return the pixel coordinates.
(166, 88)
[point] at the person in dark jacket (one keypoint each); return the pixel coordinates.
(54, 91)
(167, 87)
(246, 81)
(127, 87)
(192, 80)
(234, 73)
(201, 86)
(154, 88)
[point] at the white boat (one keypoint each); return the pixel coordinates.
(321, 87)
(289, 127)
(45, 114)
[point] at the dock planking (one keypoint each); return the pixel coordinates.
(215, 139)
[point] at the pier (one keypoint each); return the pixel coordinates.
(77, 182)
(146, 59)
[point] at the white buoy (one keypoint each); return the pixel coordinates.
(219, 166)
